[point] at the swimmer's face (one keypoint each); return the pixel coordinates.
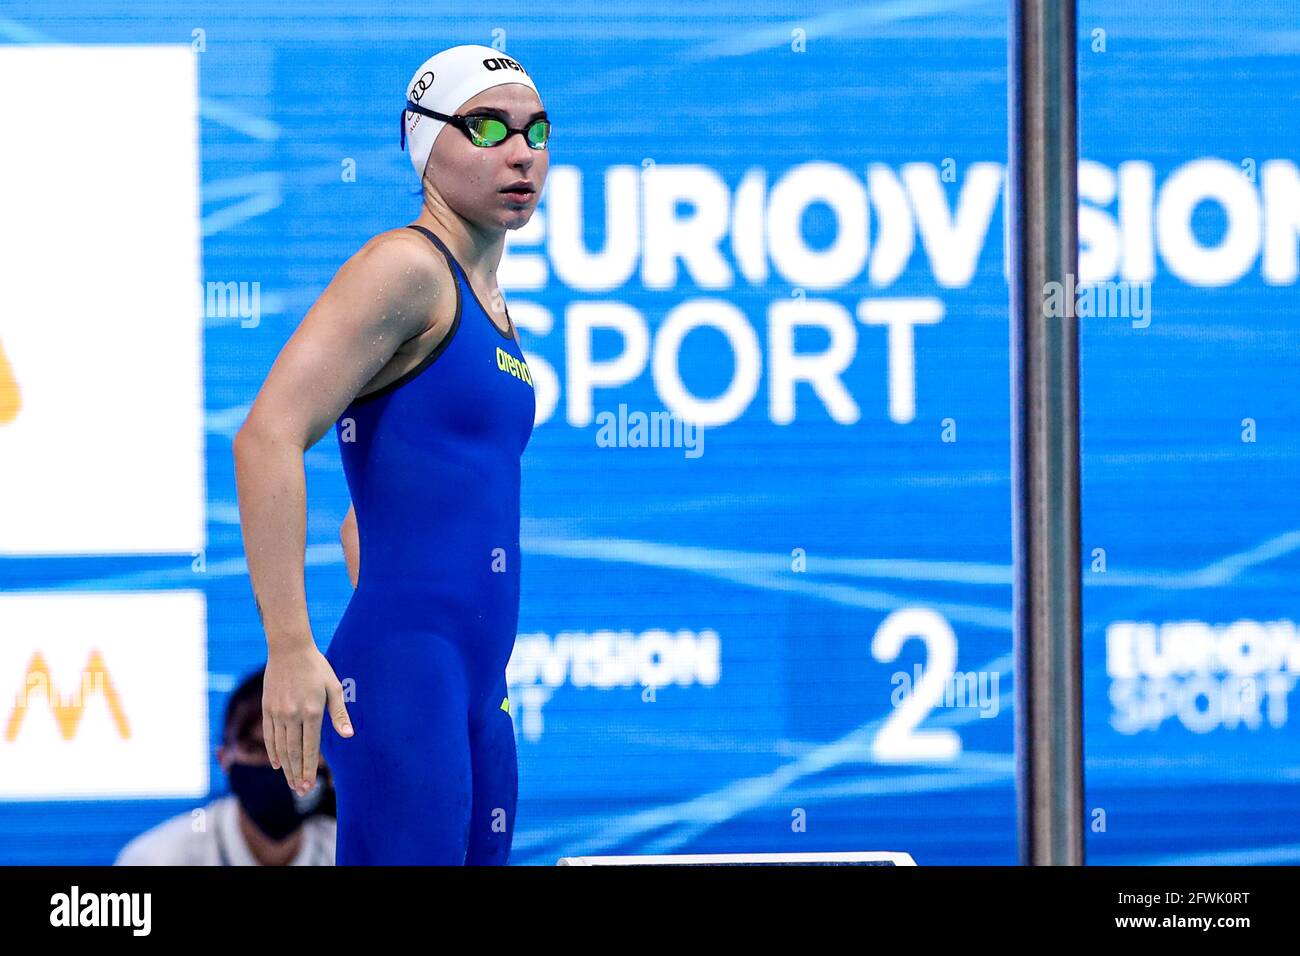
(476, 180)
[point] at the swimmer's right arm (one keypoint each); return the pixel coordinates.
(377, 300)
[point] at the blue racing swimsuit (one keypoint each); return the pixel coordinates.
(432, 462)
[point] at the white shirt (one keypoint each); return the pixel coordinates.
(212, 837)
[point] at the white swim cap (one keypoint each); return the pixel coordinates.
(444, 83)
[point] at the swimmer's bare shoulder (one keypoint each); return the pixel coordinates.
(387, 306)
(433, 293)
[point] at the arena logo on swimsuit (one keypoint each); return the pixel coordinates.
(508, 363)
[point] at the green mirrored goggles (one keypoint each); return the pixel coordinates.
(485, 131)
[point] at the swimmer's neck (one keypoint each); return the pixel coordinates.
(477, 250)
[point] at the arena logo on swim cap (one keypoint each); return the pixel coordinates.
(503, 63)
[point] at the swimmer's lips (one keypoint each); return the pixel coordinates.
(520, 192)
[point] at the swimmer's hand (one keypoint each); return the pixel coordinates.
(299, 687)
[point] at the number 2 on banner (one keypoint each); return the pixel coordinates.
(898, 740)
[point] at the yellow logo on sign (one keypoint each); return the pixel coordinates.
(11, 401)
(67, 709)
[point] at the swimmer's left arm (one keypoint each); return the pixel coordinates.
(351, 544)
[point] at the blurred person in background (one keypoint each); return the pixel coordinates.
(261, 822)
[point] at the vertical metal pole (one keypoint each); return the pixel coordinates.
(1043, 208)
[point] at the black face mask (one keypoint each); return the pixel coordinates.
(265, 796)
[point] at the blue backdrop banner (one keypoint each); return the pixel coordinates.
(767, 505)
